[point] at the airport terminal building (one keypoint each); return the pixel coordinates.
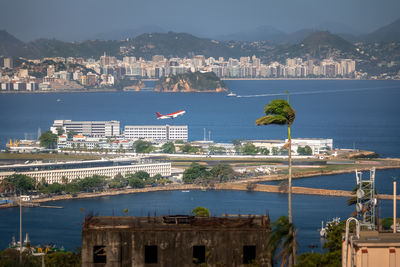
(57, 172)
(88, 128)
(156, 132)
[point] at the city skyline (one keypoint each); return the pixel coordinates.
(75, 20)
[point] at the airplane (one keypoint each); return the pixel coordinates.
(170, 116)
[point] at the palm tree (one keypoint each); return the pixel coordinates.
(279, 112)
(282, 237)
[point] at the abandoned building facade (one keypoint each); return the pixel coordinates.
(177, 240)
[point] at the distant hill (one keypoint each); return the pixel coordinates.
(11, 46)
(128, 33)
(337, 28)
(388, 33)
(52, 48)
(324, 39)
(319, 45)
(174, 44)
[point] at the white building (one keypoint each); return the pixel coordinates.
(318, 145)
(56, 176)
(156, 132)
(88, 128)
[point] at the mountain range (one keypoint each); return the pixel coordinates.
(265, 42)
(387, 33)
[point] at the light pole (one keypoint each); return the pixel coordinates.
(20, 227)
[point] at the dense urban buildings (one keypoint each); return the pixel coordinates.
(79, 73)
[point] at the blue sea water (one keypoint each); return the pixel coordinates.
(361, 114)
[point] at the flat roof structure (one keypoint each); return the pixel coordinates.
(177, 240)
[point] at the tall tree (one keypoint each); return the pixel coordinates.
(279, 112)
(282, 239)
(48, 140)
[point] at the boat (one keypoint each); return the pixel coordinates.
(185, 191)
(58, 100)
(323, 230)
(397, 227)
(231, 94)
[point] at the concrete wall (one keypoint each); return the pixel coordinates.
(224, 246)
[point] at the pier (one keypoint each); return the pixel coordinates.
(239, 186)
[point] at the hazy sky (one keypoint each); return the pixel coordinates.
(82, 19)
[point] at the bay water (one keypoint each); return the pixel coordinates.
(356, 114)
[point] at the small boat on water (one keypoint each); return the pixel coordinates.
(232, 94)
(323, 230)
(58, 100)
(185, 191)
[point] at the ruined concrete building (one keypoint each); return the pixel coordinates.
(175, 241)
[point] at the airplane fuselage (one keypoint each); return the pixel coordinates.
(170, 116)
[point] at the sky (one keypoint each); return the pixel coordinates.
(83, 19)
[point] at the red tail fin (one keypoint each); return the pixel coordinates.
(158, 114)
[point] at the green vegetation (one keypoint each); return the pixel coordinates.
(71, 134)
(304, 150)
(200, 212)
(118, 181)
(249, 149)
(141, 146)
(387, 223)
(168, 148)
(216, 150)
(17, 183)
(60, 131)
(222, 173)
(188, 148)
(334, 246)
(282, 239)
(279, 112)
(22, 183)
(48, 140)
(10, 257)
(141, 179)
(191, 81)
(197, 173)
(88, 184)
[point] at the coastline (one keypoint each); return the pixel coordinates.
(98, 90)
(233, 185)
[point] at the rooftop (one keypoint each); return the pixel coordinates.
(178, 222)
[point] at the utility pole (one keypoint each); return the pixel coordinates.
(394, 206)
(20, 228)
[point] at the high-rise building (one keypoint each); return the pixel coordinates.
(8, 63)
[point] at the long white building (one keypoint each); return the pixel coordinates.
(88, 128)
(156, 132)
(55, 176)
(318, 145)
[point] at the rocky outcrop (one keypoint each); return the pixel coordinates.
(135, 85)
(191, 82)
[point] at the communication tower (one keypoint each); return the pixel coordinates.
(366, 200)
